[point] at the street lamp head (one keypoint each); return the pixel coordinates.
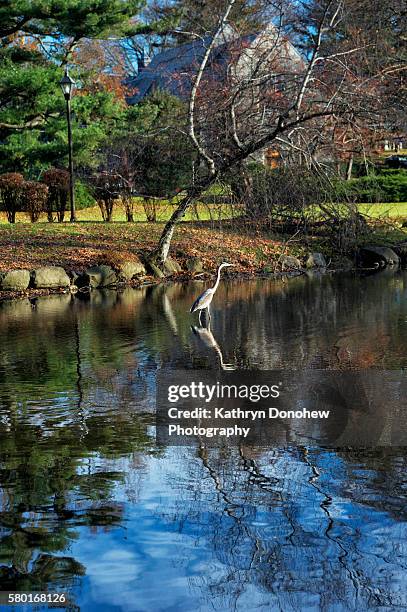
(67, 85)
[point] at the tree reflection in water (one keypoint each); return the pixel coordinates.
(284, 526)
(298, 528)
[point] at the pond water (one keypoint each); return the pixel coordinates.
(92, 507)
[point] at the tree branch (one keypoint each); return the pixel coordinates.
(28, 125)
(191, 111)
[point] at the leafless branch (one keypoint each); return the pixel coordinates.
(195, 87)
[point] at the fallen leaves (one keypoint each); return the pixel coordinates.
(77, 246)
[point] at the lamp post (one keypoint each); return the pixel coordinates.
(67, 85)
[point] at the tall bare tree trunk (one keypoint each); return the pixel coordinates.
(160, 254)
(164, 243)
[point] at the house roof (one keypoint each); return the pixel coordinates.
(171, 69)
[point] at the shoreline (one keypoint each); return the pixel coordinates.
(32, 293)
(76, 257)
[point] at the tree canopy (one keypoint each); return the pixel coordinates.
(37, 39)
(199, 17)
(72, 18)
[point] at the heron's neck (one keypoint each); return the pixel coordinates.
(217, 279)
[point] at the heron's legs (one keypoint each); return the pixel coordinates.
(209, 313)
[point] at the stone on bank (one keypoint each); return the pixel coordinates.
(168, 268)
(377, 256)
(50, 277)
(401, 252)
(129, 269)
(194, 265)
(171, 266)
(316, 260)
(15, 280)
(289, 262)
(98, 276)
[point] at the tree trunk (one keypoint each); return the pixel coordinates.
(150, 209)
(160, 254)
(242, 185)
(61, 216)
(129, 207)
(349, 168)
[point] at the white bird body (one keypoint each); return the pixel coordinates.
(204, 300)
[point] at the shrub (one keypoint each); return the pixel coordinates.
(281, 192)
(58, 189)
(150, 206)
(365, 189)
(11, 186)
(33, 199)
(83, 196)
(393, 185)
(106, 188)
(388, 186)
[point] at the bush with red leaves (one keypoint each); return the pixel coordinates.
(11, 187)
(58, 189)
(33, 199)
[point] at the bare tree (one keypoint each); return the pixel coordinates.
(255, 92)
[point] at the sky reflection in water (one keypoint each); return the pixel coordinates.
(90, 505)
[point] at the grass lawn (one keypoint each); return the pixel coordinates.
(201, 212)
(208, 212)
(382, 210)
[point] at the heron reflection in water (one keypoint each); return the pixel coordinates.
(203, 302)
(207, 338)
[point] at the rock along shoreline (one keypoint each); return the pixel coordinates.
(47, 280)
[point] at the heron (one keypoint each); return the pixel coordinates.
(204, 300)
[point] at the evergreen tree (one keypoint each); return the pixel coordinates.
(37, 38)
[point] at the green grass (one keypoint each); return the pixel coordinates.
(201, 212)
(390, 213)
(375, 212)
(390, 210)
(211, 212)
